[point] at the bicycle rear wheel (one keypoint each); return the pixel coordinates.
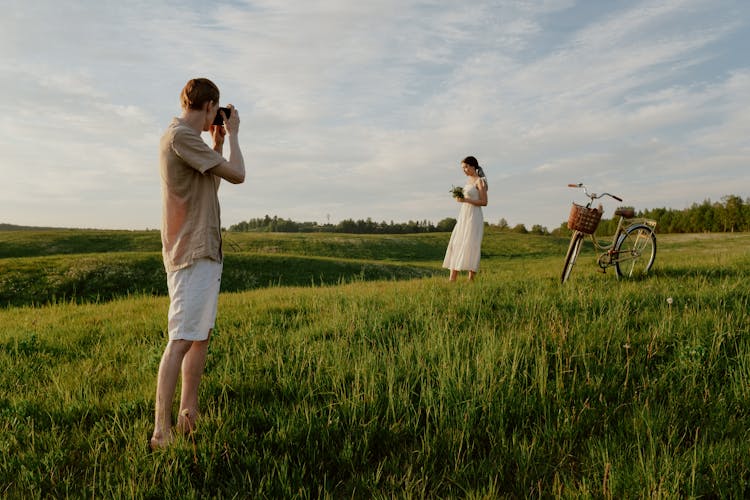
(635, 251)
(570, 258)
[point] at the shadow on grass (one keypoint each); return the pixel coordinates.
(105, 277)
(693, 272)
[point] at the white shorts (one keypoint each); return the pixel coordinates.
(193, 298)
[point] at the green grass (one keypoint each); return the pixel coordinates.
(401, 248)
(103, 265)
(103, 277)
(35, 243)
(513, 386)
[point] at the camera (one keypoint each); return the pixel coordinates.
(218, 120)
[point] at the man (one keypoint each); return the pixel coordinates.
(191, 244)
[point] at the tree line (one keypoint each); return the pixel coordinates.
(363, 226)
(731, 214)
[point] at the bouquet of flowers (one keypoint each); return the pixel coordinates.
(457, 192)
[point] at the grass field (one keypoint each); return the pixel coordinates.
(347, 366)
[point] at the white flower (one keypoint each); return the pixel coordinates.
(669, 300)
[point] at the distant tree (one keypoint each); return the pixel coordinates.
(520, 228)
(562, 230)
(733, 213)
(347, 226)
(503, 224)
(701, 217)
(446, 225)
(538, 229)
(287, 226)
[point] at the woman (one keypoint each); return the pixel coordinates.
(465, 245)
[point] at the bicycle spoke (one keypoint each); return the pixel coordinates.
(636, 251)
(632, 267)
(640, 242)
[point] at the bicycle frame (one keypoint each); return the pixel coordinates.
(633, 238)
(609, 255)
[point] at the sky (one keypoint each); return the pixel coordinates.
(365, 109)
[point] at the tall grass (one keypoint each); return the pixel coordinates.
(512, 386)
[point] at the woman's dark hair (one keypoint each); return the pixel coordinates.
(471, 161)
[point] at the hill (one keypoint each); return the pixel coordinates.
(13, 227)
(41, 266)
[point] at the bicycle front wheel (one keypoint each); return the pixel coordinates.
(635, 251)
(570, 258)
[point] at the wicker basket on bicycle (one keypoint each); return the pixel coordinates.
(584, 219)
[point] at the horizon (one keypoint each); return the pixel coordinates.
(8, 226)
(366, 110)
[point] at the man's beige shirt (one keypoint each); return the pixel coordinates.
(191, 224)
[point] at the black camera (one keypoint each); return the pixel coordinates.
(218, 120)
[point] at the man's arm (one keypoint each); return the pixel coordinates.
(233, 170)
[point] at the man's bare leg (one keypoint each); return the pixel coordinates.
(193, 365)
(166, 382)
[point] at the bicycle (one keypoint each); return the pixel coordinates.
(633, 247)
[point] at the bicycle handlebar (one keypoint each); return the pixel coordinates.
(593, 196)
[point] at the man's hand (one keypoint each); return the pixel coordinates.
(232, 124)
(234, 169)
(218, 133)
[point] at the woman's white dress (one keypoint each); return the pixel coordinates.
(465, 245)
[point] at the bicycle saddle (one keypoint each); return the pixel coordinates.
(628, 213)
